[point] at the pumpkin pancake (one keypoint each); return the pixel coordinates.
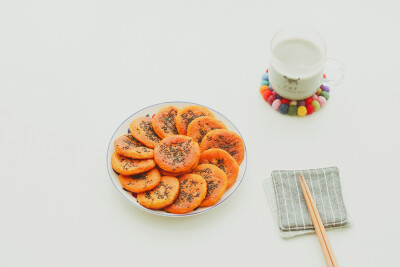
(141, 182)
(164, 122)
(199, 127)
(216, 183)
(226, 140)
(142, 129)
(164, 194)
(128, 166)
(128, 146)
(177, 153)
(192, 191)
(187, 114)
(222, 160)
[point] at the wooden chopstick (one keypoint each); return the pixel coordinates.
(318, 225)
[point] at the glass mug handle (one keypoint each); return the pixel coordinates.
(334, 70)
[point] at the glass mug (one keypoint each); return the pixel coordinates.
(298, 61)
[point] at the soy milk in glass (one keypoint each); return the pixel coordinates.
(297, 61)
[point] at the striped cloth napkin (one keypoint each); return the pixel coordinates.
(287, 201)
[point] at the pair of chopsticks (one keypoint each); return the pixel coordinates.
(318, 225)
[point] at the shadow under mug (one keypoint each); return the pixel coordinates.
(298, 61)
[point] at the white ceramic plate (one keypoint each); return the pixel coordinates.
(123, 129)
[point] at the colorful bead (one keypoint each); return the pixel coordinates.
(310, 109)
(292, 110)
(263, 88)
(316, 105)
(323, 75)
(265, 77)
(301, 103)
(325, 88)
(276, 104)
(266, 94)
(293, 107)
(285, 101)
(284, 108)
(325, 94)
(301, 111)
(271, 99)
(321, 100)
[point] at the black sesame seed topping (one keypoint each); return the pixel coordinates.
(176, 152)
(140, 176)
(189, 116)
(147, 195)
(127, 163)
(220, 164)
(168, 122)
(185, 196)
(205, 173)
(211, 186)
(148, 131)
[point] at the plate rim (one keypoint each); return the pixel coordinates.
(155, 212)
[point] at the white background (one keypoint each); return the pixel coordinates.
(72, 71)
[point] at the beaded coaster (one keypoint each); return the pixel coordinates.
(292, 107)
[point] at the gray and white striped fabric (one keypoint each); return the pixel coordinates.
(291, 208)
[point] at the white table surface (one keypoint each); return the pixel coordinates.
(72, 71)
